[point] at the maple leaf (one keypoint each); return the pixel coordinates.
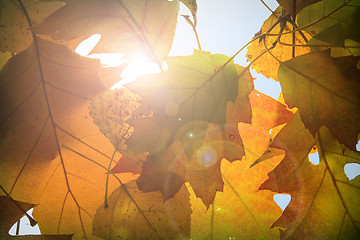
(15, 35)
(239, 111)
(330, 23)
(240, 206)
(45, 93)
(326, 94)
(267, 112)
(294, 7)
(149, 218)
(310, 186)
(170, 171)
(147, 26)
(10, 212)
(194, 88)
(268, 64)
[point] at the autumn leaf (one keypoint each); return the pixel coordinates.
(194, 88)
(267, 64)
(45, 93)
(293, 7)
(170, 171)
(240, 206)
(15, 34)
(131, 27)
(326, 94)
(310, 186)
(267, 112)
(165, 174)
(330, 23)
(149, 218)
(10, 212)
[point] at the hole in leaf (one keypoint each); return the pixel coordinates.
(358, 146)
(86, 46)
(352, 170)
(314, 158)
(25, 227)
(265, 85)
(282, 200)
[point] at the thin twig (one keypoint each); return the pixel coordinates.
(262, 1)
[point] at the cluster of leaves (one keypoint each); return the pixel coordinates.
(183, 152)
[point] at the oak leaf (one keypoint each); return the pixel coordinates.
(131, 27)
(326, 94)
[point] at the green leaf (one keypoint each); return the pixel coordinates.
(193, 92)
(127, 26)
(331, 22)
(143, 215)
(326, 91)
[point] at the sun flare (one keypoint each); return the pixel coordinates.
(137, 65)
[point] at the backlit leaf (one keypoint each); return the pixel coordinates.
(150, 218)
(131, 27)
(317, 185)
(194, 88)
(240, 206)
(267, 64)
(15, 35)
(331, 22)
(326, 93)
(45, 93)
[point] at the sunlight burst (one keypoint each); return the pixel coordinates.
(137, 65)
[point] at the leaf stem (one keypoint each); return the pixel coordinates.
(31, 220)
(107, 181)
(188, 20)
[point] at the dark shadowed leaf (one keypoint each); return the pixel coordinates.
(293, 7)
(11, 212)
(326, 93)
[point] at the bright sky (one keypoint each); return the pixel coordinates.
(223, 27)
